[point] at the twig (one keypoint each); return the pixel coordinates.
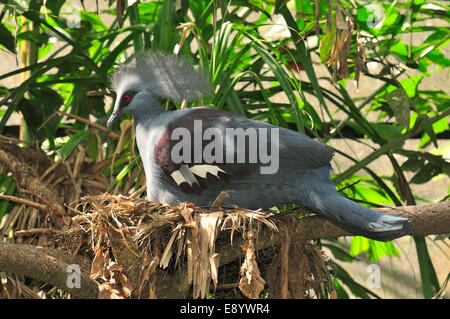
(220, 199)
(228, 286)
(138, 192)
(42, 199)
(85, 121)
(35, 231)
(23, 201)
(97, 126)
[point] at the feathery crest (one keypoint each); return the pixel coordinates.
(166, 75)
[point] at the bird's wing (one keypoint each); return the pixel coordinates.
(203, 145)
(296, 150)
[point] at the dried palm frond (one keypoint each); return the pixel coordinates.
(130, 226)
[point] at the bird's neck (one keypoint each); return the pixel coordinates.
(147, 112)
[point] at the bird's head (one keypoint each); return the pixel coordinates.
(132, 97)
(152, 76)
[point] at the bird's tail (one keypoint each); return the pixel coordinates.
(357, 219)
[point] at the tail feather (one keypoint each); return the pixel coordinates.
(358, 219)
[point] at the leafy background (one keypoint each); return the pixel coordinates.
(374, 87)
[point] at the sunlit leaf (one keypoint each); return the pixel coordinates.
(400, 104)
(73, 142)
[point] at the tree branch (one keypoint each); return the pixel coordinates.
(48, 265)
(24, 201)
(427, 219)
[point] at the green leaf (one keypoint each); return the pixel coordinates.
(410, 84)
(73, 142)
(374, 249)
(7, 39)
(393, 21)
(387, 131)
(49, 101)
(413, 164)
(437, 127)
(304, 55)
(38, 70)
(33, 116)
(148, 11)
(283, 79)
(428, 128)
(340, 291)
(165, 30)
(7, 187)
(430, 283)
(127, 168)
(357, 289)
(359, 245)
(424, 174)
(94, 20)
(44, 50)
(399, 102)
(339, 252)
(399, 48)
(38, 38)
(327, 42)
(379, 249)
(55, 5)
(92, 147)
(20, 5)
(436, 56)
(108, 62)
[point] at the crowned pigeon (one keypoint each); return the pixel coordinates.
(193, 154)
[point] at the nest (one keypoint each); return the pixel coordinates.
(138, 245)
(138, 249)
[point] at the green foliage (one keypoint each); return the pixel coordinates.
(374, 249)
(7, 187)
(247, 71)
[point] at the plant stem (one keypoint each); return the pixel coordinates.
(28, 56)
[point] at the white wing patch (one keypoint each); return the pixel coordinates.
(202, 170)
(186, 174)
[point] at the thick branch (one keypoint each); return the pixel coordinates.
(48, 265)
(427, 219)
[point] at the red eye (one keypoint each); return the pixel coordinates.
(126, 98)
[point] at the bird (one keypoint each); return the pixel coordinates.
(188, 157)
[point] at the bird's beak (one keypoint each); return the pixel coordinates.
(114, 116)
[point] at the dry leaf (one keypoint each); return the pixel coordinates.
(98, 265)
(207, 232)
(251, 283)
(138, 225)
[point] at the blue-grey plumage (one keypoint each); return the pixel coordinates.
(303, 165)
